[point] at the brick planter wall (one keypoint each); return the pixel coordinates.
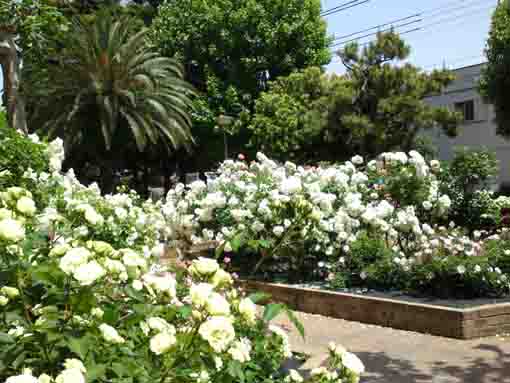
(469, 323)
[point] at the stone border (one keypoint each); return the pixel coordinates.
(477, 322)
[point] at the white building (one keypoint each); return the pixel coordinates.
(478, 128)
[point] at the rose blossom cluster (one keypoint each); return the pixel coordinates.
(81, 278)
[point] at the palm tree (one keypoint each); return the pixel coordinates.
(110, 84)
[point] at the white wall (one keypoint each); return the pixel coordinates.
(478, 133)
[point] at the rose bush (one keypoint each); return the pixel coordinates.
(308, 223)
(81, 298)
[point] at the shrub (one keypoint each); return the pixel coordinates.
(384, 224)
(81, 299)
(464, 180)
(19, 153)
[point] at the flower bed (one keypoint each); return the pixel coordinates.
(80, 300)
(383, 225)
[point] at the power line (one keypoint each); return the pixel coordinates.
(377, 27)
(343, 7)
(375, 33)
(438, 22)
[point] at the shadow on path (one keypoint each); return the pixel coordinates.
(479, 370)
(382, 368)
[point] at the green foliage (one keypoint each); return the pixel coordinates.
(230, 50)
(35, 22)
(365, 251)
(107, 76)
(291, 119)
(17, 154)
(495, 81)
(464, 180)
(242, 42)
(376, 107)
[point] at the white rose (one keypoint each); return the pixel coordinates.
(26, 206)
(240, 351)
(25, 378)
(70, 376)
(435, 164)
(110, 334)
(353, 363)
(427, 205)
(204, 266)
(357, 160)
(3, 300)
(217, 305)
(218, 332)
(88, 273)
(132, 259)
(73, 259)
(93, 217)
(97, 312)
(11, 292)
(44, 378)
(221, 278)
(248, 310)
(70, 364)
(160, 325)
(11, 230)
(162, 284)
(137, 285)
(278, 230)
(200, 293)
(291, 185)
(162, 342)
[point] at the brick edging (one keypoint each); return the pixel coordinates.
(476, 322)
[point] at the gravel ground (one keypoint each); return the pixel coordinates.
(395, 356)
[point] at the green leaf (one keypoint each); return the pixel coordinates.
(80, 346)
(235, 370)
(236, 243)
(296, 322)
(272, 310)
(185, 311)
(95, 372)
(6, 339)
(258, 297)
(264, 243)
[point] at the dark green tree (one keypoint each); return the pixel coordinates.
(243, 43)
(376, 106)
(231, 50)
(113, 90)
(495, 81)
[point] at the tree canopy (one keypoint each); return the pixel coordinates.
(376, 106)
(495, 81)
(244, 43)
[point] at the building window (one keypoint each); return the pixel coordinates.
(467, 109)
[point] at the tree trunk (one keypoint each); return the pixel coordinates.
(11, 70)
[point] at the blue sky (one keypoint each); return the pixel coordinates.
(456, 38)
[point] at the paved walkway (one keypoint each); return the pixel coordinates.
(394, 356)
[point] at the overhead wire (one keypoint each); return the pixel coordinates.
(374, 33)
(377, 27)
(422, 27)
(343, 7)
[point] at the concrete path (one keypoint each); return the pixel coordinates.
(394, 356)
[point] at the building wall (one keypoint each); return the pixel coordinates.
(481, 132)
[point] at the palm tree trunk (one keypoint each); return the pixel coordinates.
(11, 70)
